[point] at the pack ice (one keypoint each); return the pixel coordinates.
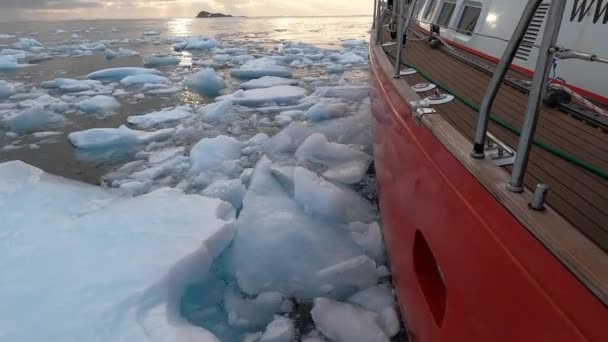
(80, 263)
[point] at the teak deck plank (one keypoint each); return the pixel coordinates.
(577, 194)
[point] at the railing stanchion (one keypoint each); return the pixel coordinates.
(499, 75)
(537, 92)
(379, 21)
(399, 45)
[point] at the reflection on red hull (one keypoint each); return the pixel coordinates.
(464, 268)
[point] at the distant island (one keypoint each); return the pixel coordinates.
(205, 14)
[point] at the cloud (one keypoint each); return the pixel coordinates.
(49, 4)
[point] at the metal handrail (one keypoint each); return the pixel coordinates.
(499, 75)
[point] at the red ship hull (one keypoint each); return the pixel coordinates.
(463, 267)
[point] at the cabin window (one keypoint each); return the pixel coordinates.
(445, 15)
(469, 19)
(430, 10)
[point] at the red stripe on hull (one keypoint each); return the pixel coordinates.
(464, 268)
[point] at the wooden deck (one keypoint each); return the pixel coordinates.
(578, 195)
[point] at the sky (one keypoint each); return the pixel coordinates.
(11, 10)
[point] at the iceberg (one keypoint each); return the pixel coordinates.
(219, 154)
(217, 112)
(6, 89)
(99, 267)
(206, 82)
(168, 116)
(261, 67)
(8, 62)
(196, 44)
(258, 97)
(120, 73)
(27, 43)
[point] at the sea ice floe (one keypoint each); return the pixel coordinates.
(261, 67)
(70, 85)
(282, 329)
(344, 322)
(348, 92)
(35, 119)
(122, 137)
(120, 73)
(27, 44)
(6, 89)
(99, 104)
(167, 116)
(120, 53)
(152, 61)
(257, 97)
(216, 155)
(125, 262)
(267, 82)
(221, 111)
(231, 191)
(206, 82)
(8, 62)
(343, 163)
(325, 111)
(196, 44)
(143, 79)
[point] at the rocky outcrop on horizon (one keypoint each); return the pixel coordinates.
(205, 14)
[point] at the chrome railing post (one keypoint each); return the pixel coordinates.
(379, 21)
(537, 92)
(375, 14)
(499, 75)
(399, 45)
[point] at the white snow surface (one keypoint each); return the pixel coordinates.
(96, 280)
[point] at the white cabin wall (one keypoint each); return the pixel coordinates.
(500, 17)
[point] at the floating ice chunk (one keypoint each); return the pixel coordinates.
(261, 67)
(163, 91)
(161, 117)
(34, 119)
(326, 111)
(6, 89)
(274, 235)
(160, 60)
(358, 272)
(345, 165)
(206, 82)
(380, 300)
(241, 59)
(254, 313)
(335, 69)
(151, 33)
(110, 54)
(123, 136)
(196, 44)
(120, 73)
(369, 237)
(280, 330)
(354, 43)
(8, 62)
(217, 112)
(100, 104)
(256, 97)
(143, 79)
(231, 191)
(267, 82)
(135, 258)
(320, 197)
(97, 46)
(71, 85)
(6, 36)
(343, 322)
(27, 43)
(352, 93)
(283, 120)
(348, 58)
(289, 139)
(219, 154)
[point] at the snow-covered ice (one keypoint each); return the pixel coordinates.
(99, 280)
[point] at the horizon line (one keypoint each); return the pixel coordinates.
(21, 20)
